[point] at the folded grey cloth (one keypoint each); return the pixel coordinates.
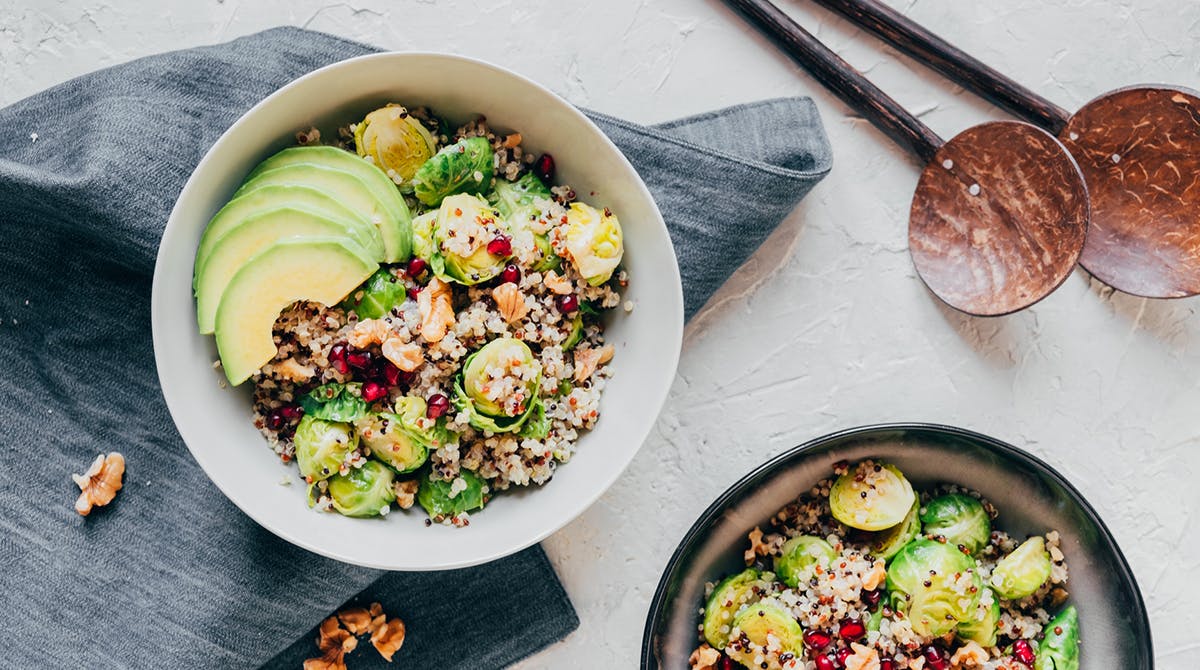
(172, 575)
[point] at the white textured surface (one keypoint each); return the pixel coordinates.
(828, 326)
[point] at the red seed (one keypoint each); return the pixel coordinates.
(274, 420)
(510, 274)
(391, 373)
(437, 405)
(842, 655)
(372, 391)
(873, 597)
(824, 663)
(543, 167)
(725, 663)
(413, 291)
(291, 412)
(1023, 652)
(568, 303)
(359, 359)
(934, 659)
(887, 664)
(500, 245)
(852, 630)
(817, 640)
(416, 267)
(337, 357)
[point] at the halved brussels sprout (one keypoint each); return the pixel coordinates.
(1022, 572)
(377, 296)
(335, 402)
(444, 499)
(981, 627)
(395, 140)
(499, 386)
(1060, 649)
(799, 558)
(463, 167)
(423, 244)
(960, 519)
(525, 193)
(873, 496)
(391, 443)
(322, 446)
(723, 604)
(594, 242)
(887, 543)
(364, 491)
(761, 621)
(466, 225)
(935, 585)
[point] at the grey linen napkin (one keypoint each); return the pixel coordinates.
(172, 575)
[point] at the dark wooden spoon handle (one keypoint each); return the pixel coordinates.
(841, 78)
(897, 29)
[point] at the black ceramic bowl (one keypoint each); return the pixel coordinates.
(1031, 497)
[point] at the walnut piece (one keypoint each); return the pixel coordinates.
(970, 655)
(437, 313)
(388, 638)
(510, 302)
(587, 360)
(99, 485)
(404, 355)
(511, 141)
(757, 546)
(704, 658)
(863, 658)
(357, 620)
(292, 370)
(334, 642)
(406, 492)
(368, 332)
(875, 577)
(557, 284)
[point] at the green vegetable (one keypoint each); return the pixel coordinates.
(800, 557)
(377, 296)
(594, 241)
(364, 491)
(392, 442)
(576, 332)
(506, 357)
(537, 424)
(1022, 572)
(434, 495)
(422, 227)
(760, 620)
(981, 626)
(335, 402)
(462, 217)
(875, 619)
(522, 195)
(872, 496)
(550, 260)
(887, 543)
(921, 582)
(960, 519)
(1060, 649)
(322, 446)
(727, 598)
(462, 167)
(394, 140)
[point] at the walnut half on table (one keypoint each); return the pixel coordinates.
(99, 485)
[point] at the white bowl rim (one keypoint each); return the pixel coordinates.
(672, 342)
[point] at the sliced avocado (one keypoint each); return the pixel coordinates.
(322, 270)
(887, 543)
(273, 196)
(756, 622)
(253, 235)
(395, 223)
(727, 598)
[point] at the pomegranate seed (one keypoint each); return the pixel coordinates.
(872, 597)
(815, 639)
(391, 373)
(934, 658)
(1023, 652)
(500, 245)
(887, 664)
(416, 267)
(437, 405)
(274, 420)
(291, 412)
(842, 655)
(543, 167)
(510, 274)
(359, 359)
(372, 391)
(337, 357)
(824, 663)
(413, 291)
(725, 663)
(568, 303)
(852, 630)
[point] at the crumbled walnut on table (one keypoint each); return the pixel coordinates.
(336, 636)
(99, 485)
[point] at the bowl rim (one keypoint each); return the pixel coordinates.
(670, 342)
(737, 490)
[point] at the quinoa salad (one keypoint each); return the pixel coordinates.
(419, 308)
(864, 573)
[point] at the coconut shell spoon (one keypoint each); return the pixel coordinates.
(1000, 213)
(1138, 148)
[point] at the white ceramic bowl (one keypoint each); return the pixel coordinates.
(215, 422)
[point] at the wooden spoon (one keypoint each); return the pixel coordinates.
(1001, 210)
(1138, 148)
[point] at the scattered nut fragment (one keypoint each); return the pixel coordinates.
(388, 638)
(404, 355)
(704, 658)
(863, 658)
(757, 546)
(511, 141)
(970, 655)
(336, 636)
(587, 360)
(99, 485)
(357, 620)
(291, 369)
(437, 313)
(368, 332)
(510, 302)
(560, 285)
(406, 492)
(334, 642)
(875, 577)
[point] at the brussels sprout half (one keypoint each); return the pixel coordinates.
(921, 581)
(443, 499)
(391, 442)
(501, 358)
(394, 140)
(800, 557)
(463, 167)
(364, 491)
(887, 543)
(593, 240)
(377, 296)
(1022, 572)
(525, 193)
(873, 496)
(763, 619)
(981, 626)
(322, 446)
(464, 217)
(960, 519)
(1060, 649)
(335, 402)
(729, 596)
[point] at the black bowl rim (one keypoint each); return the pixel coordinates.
(658, 602)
